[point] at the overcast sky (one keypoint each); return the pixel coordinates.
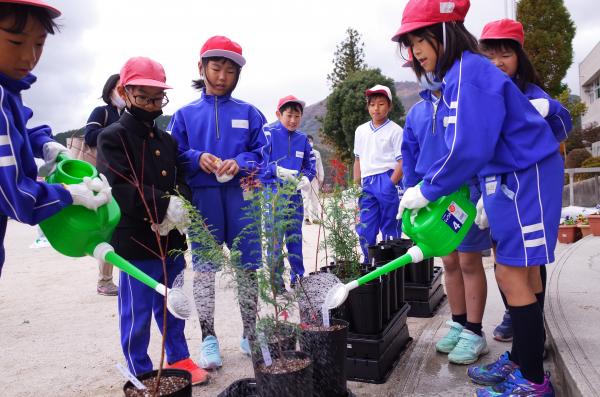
(288, 46)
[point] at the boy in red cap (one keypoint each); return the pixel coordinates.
(220, 141)
(378, 169)
(24, 27)
(489, 132)
(140, 159)
(290, 158)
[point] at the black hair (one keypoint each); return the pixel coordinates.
(199, 84)
(526, 73)
(109, 86)
(294, 106)
(458, 40)
(378, 95)
(310, 137)
(21, 13)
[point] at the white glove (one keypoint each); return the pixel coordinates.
(286, 174)
(481, 219)
(83, 193)
(412, 199)
(50, 152)
(224, 178)
(176, 217)
(542, 105)
(304, 183)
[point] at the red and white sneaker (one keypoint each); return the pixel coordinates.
(199, 376)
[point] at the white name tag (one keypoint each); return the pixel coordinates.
(239, 123)
(299, 154)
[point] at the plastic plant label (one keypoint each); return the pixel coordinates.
(454, 217)
(126, 373)
(325, 313)
(266, 354)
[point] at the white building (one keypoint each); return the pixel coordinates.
(589, 82)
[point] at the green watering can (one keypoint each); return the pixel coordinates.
(77, 231)
(437, 229)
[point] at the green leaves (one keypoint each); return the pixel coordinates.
(549, 33)
(347, 109)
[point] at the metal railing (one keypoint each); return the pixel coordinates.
(572, 171)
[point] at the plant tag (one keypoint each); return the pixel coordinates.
(266, 354)
(325, 313)
(126, 373)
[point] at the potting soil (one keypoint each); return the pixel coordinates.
(168, 385)
(320, 328)
(285, 365)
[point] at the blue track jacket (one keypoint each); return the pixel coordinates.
(558, 116)
(287, 149)
(424, 128)
(491, 127)
(23, 197)
(223, 126)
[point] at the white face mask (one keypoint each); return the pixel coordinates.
(116, 100)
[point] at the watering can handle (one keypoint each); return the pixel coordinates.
(61, 157)
(407, 224)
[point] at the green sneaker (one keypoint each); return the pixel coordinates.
(448, 342)
(469, 348)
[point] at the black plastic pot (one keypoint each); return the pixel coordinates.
(400, 288)
(364, 303)
(328, 351)
(184, 392)
(292, 384)
(241, 388)
(400, 247)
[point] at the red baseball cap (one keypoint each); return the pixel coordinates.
(379, 89)
(221, 46)
(288, 99)
(54, 13)
(421, 13)
(143, 71)
(504, 29)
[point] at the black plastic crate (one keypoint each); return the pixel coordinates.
(422, 292)
(427, 308)
(373, 346)
(378, 370)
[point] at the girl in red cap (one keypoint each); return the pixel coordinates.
(493, 132)
(502, 43)
(24, 27)
(220, 141)
(135, 151)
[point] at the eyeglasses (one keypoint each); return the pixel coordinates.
(143, 100)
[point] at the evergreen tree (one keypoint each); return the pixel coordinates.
(347, 109)
(549, 33)
(349, 57)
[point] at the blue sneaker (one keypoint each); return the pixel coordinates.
(469, 348)
(504, 331)
(449, 341)
(245, 347)
(516, 385)
(210, 357)
(493, 373)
